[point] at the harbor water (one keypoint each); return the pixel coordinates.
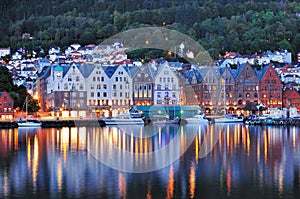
(167, 161)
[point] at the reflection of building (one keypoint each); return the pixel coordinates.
(6, 106)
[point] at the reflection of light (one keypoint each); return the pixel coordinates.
(59, 175)
(122, 185)
(248, 144)
(228, 183)
(35, 160)
(192, 181)
(196, 149)
(280, 183)
(149, 191)
(64, 140)
(170, 189)
(265, 146)
(28, 155)
(16, 140)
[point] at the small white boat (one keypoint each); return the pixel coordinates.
(197, 119)
(124, 119)
(229, 119)
(29, 123)
(176, 120)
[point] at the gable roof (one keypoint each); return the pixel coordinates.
(110, 70)
(86, 69)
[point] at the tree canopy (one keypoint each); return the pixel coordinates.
(246, 26)
(17, 93)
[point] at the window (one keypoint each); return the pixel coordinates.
(114, 86)
(159, 87)
(92, 94)
(98, 94)
(121, 87)
(69, 79)
(98, 86)
(94, 79)
(115, 94)
(247, 95)
(77, 78)
(81, 94)
(66, 94)
(81, 87)
(104, 94)
(102, 79)
(117, 79)
(158, 95)
(92, 86)
(104, 86)
(98, 79)
(65, 86)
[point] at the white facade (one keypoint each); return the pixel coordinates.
(97, 88)
(166, 86)
(121, 87)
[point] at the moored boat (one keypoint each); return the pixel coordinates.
(124, 119)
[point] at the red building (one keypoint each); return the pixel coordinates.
(6, 106)
(270, 87)
(291, 98)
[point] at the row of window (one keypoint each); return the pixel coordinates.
(73, 86)
(106, 102)
(142, 94)
(165, 87)
(74, 94)
(115, 94)
(166, 80)
(5, 104)
(5, 110)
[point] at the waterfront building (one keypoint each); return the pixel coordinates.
(6, 106)
(270, 87)
(143, 87)
(166, 85)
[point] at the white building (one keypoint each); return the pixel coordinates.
(166, 86)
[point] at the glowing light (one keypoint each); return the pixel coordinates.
(170, 189)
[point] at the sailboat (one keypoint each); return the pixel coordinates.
(227, 118)
(26, 122)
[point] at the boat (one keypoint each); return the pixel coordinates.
(165, 120)
(28, 123)
(124, 119)
(197, 119)
(227, 118)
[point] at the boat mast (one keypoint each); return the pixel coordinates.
(223, 80)
(26, 108)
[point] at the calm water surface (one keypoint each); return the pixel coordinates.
(209, 161)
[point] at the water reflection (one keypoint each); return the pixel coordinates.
(221, 161)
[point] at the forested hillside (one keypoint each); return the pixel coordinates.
(218, 25)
